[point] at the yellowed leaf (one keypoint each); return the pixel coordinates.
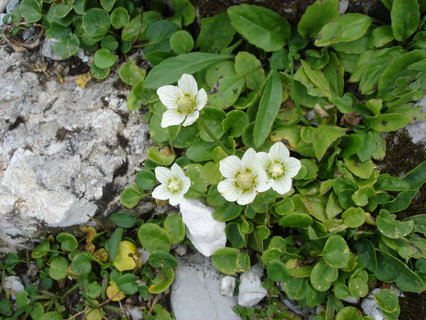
(114, 293)
(94, 314)
(126, 257)
(83, 79)
(101, 255)
(90, 233)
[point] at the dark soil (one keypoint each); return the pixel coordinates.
(402, 155)
(413, 306)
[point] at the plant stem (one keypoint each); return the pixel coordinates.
(211, 134)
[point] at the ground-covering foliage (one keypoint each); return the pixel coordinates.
(328, 88)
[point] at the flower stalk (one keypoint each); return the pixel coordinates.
(212, 135)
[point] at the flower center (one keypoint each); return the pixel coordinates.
(275, 169)
(174, 185)
(246, 180)
(186, 103)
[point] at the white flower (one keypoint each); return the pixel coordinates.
(183, 102)
(243, 178)
(280, 168)
(174, 184)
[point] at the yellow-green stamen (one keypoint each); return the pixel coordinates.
(186, 103)
(275, 169)
(245, 180)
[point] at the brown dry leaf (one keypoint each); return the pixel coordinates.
(166, 152)
(354, 119)
(101, 255)
(90, 247)
(83, 79)
(90, 233)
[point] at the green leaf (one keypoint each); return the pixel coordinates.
(235, 236)
(349, 313)
(119, 18)
(401, 202)
(296, 220)
(392, 228)
(95, 22)
(160, 260)
(155, 154)
(358, 284)
(201, 151)
(416, 177)
(336, 252)
(41, 250)
(269, 106)
(185, 9)
(132, 29)
(66, 46)
(366, 254)
(227, 211)
(358, 168)
(387, 300)
(131, 74)
(31, 10)
(5, 307)
(81, 264)
(316, 16)
(228, 91)
(181, 42)
(175, 227)
(107, 5)
(387, 122)
(380, 36)
(152, 237)
(323, 138)
(347, 27)
(354, 217)
(170, 70)
(235, 123)
(218, 71)
(104, 58)
(162, 281)
(113, 243)
(314, 297)
(68, 241)
(296, 288)
(216, 33)
(405, 15)
(58, 268)
(248, 66)
(277, 271)
(130, 196)
(145, 179)
(261, 27)
(158, 35)
(388, 183)
(322, 276)
(51, 315)
(225, 260)
(127, 283)
(123, 219)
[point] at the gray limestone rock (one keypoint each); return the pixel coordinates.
(65, 152)
(251, 291)
(47, 49)
(196, 292)
(417, 130)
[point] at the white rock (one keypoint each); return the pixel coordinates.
(65, 152)
(47, 49)
(11, 5)
(370, 307)
(13, 285)
(3, 4)
(417, 130)
(351, 300)
(195, 292)
(250, 289)
(135, 313)
(227, 286)
(343, 6)
(206, 234)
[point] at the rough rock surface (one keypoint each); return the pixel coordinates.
(196, 292)
(65, 152)
(417, 130)
(251, 291)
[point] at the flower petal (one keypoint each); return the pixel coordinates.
(177, 171)
(171, 118)
(161, 192)
(162, 174)
(282, 185)
(249, 158)
(168, 96)
(293, 166)
(175, 198)
(186, 184)
(263, 159)
(191, 118)
(187, 84)
(201, 99)
(278, 152)
(228, 190)
(247, 197)
(230, 166)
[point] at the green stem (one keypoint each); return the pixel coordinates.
(211, 134)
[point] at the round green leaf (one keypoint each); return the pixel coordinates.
(123, 219)
(61, 10)
(218, 71)
(175, 227)
(216, 33)
(98, 73)
(52, 315)
(162, 281)
(68, 241)
(349, 313)
(31, 10)
(354, 217)
(110, 43)
(261, 27)
(58, 268)
(66, 46)
(225, 260)
(104, 58)
(119, 18)
(296, 288)
(322, 276)
(235, 236)
(392, 228)
(81, 264)
(248, 66)
(130, 196)
(316, 16)
(277, 271)
(94, 290)
(336, 252)
(107, 5)
(127, 283)
(235, 122)
(227, 211)
(160, 260)
(145, 179)
(95, 22)
(314, 297)
(181, 42)
(131, 74)
(387, 300)
(296, 220)
(358, 284)
(152, 237)
(41, 250)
